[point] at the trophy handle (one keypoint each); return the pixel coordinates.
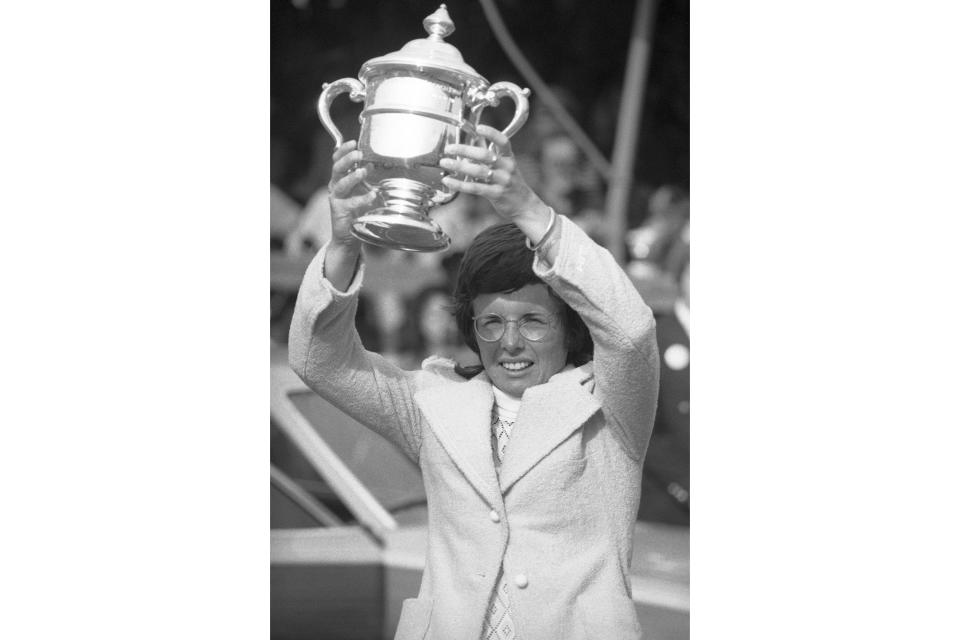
(491, 98)
(330, 92)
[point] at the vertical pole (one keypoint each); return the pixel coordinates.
(628, 127)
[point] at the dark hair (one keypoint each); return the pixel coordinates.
(498, 260)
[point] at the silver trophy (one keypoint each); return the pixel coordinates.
(415, 102)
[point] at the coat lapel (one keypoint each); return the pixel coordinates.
(548, 415)
(460, 418)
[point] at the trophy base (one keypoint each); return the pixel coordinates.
(395, 230)
(402, 223)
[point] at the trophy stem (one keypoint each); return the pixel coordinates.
(405, 196)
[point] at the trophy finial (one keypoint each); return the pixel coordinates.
(438, 24)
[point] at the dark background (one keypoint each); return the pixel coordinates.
(578, 46)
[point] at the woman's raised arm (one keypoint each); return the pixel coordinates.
(349, 197)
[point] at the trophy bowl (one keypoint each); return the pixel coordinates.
(416, 101)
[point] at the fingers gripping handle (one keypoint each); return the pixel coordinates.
(499, 90)
(330, 93)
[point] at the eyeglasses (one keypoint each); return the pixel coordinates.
(533, 326)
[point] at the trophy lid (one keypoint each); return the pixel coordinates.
(430, 52)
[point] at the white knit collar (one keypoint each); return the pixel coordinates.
(507, 406)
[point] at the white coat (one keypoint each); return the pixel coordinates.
(559, 516)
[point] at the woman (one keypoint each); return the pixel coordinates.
(530, 523)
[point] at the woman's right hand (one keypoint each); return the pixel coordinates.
(349, 196)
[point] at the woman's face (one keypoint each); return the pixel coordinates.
(513, 362)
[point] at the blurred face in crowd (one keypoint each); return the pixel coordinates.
(436, 324)
(515, 362)
(560, 160)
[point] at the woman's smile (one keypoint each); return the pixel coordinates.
(517, 366)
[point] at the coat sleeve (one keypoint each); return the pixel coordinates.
(326, 352)
(626, 361)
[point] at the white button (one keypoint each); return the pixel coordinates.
(520, 581)
(495, 516)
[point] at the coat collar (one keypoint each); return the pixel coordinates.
(550, 412)
(460, 418)
(548, 415)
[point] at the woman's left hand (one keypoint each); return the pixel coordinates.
(489, 172)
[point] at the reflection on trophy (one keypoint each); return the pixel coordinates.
(416, 101)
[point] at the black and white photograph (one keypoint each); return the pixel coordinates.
(480, 345)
